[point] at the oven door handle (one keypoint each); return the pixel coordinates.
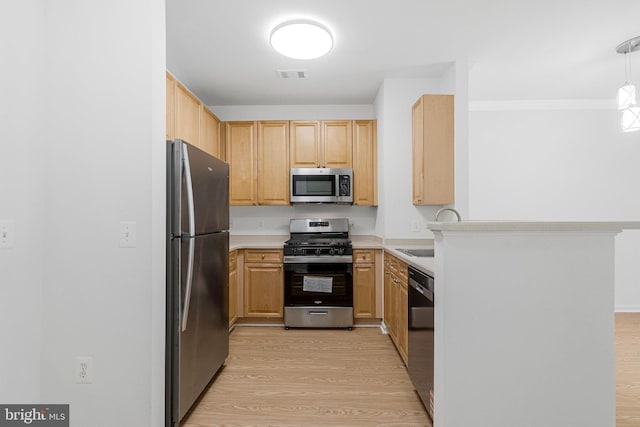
(337, 259)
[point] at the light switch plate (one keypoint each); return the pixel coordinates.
(128, 234)
(6, 234)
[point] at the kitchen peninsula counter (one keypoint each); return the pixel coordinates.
(524, 315)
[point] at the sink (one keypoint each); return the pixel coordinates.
(417, 252)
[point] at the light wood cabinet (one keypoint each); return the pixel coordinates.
(233, 287)
(171, 106)
(321, 144)
(396, 310)
(364, 283)
(337, 144)
(365, 163)
(273, 163)
(263, 282)
(433, 150)
(210, 133)
(190, 120)
(241, 153)
(305, 144)
(187, 120)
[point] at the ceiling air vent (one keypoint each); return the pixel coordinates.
(292, 74)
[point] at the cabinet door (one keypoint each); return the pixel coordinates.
(403, 322)
(337, 144)
(433, 150)
(273, 163)
(171, 106)
(241, 155)
(388, 287)
(187, 121)
(233, 287)
(364, 290)
(305, 144)
(210, 133)
(365, 163)
(263, 290)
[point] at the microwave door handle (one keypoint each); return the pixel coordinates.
(191, 237)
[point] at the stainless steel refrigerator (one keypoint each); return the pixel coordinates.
(197, 274)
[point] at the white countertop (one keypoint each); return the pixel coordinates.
(270, 241)
(534, 226)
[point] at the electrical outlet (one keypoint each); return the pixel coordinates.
(84, 370)
(6, 234)
(261, 223)
(415, 226)
(128, 235)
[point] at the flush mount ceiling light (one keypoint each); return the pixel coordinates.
(301, 39)
(627, 93)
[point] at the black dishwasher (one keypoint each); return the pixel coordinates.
(421, 339)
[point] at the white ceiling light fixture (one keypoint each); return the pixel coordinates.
(301, 39)
(627, 93)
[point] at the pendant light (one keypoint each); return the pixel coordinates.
(627, 93)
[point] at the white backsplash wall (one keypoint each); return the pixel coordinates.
(249, 220)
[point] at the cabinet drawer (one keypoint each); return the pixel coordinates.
(403, 271)
(363, 256)
(263, 255)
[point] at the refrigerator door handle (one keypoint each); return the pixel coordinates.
(187, 292)
(191, 214)
(189, 183)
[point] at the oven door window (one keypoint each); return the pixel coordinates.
(314, 185)
(318, 285)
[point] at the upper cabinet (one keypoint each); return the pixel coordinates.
(433, 150)
(273, 163)
(187, 125)
(336, 148)
(241, 153)
(190, 120)
(305, 144)
(210, 133)
(365, 163)
(326, 144)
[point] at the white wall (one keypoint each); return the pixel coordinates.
(562, 161)
(21, 187)
(293, 112)
(85, 97)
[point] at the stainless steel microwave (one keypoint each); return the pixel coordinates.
(321, 185)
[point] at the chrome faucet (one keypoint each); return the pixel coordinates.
(446, 209)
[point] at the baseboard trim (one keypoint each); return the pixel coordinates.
(627, 309)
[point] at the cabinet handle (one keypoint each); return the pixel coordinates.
(262, 256)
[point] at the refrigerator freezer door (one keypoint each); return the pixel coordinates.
(204, 343)
(209, 193)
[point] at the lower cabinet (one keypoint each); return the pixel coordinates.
(364, 284)
(233, 287)
(396, 295)
(263, 281)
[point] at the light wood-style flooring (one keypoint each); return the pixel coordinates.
(627, 369)
(340, 378)
(310, 377)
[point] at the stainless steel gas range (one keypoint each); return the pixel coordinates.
(318, 267)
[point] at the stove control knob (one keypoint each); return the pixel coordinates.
(318, 251)
(340, 251)
(332, 251)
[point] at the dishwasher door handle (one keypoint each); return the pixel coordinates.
(424, 291)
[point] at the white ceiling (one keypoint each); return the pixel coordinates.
(542, 49)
